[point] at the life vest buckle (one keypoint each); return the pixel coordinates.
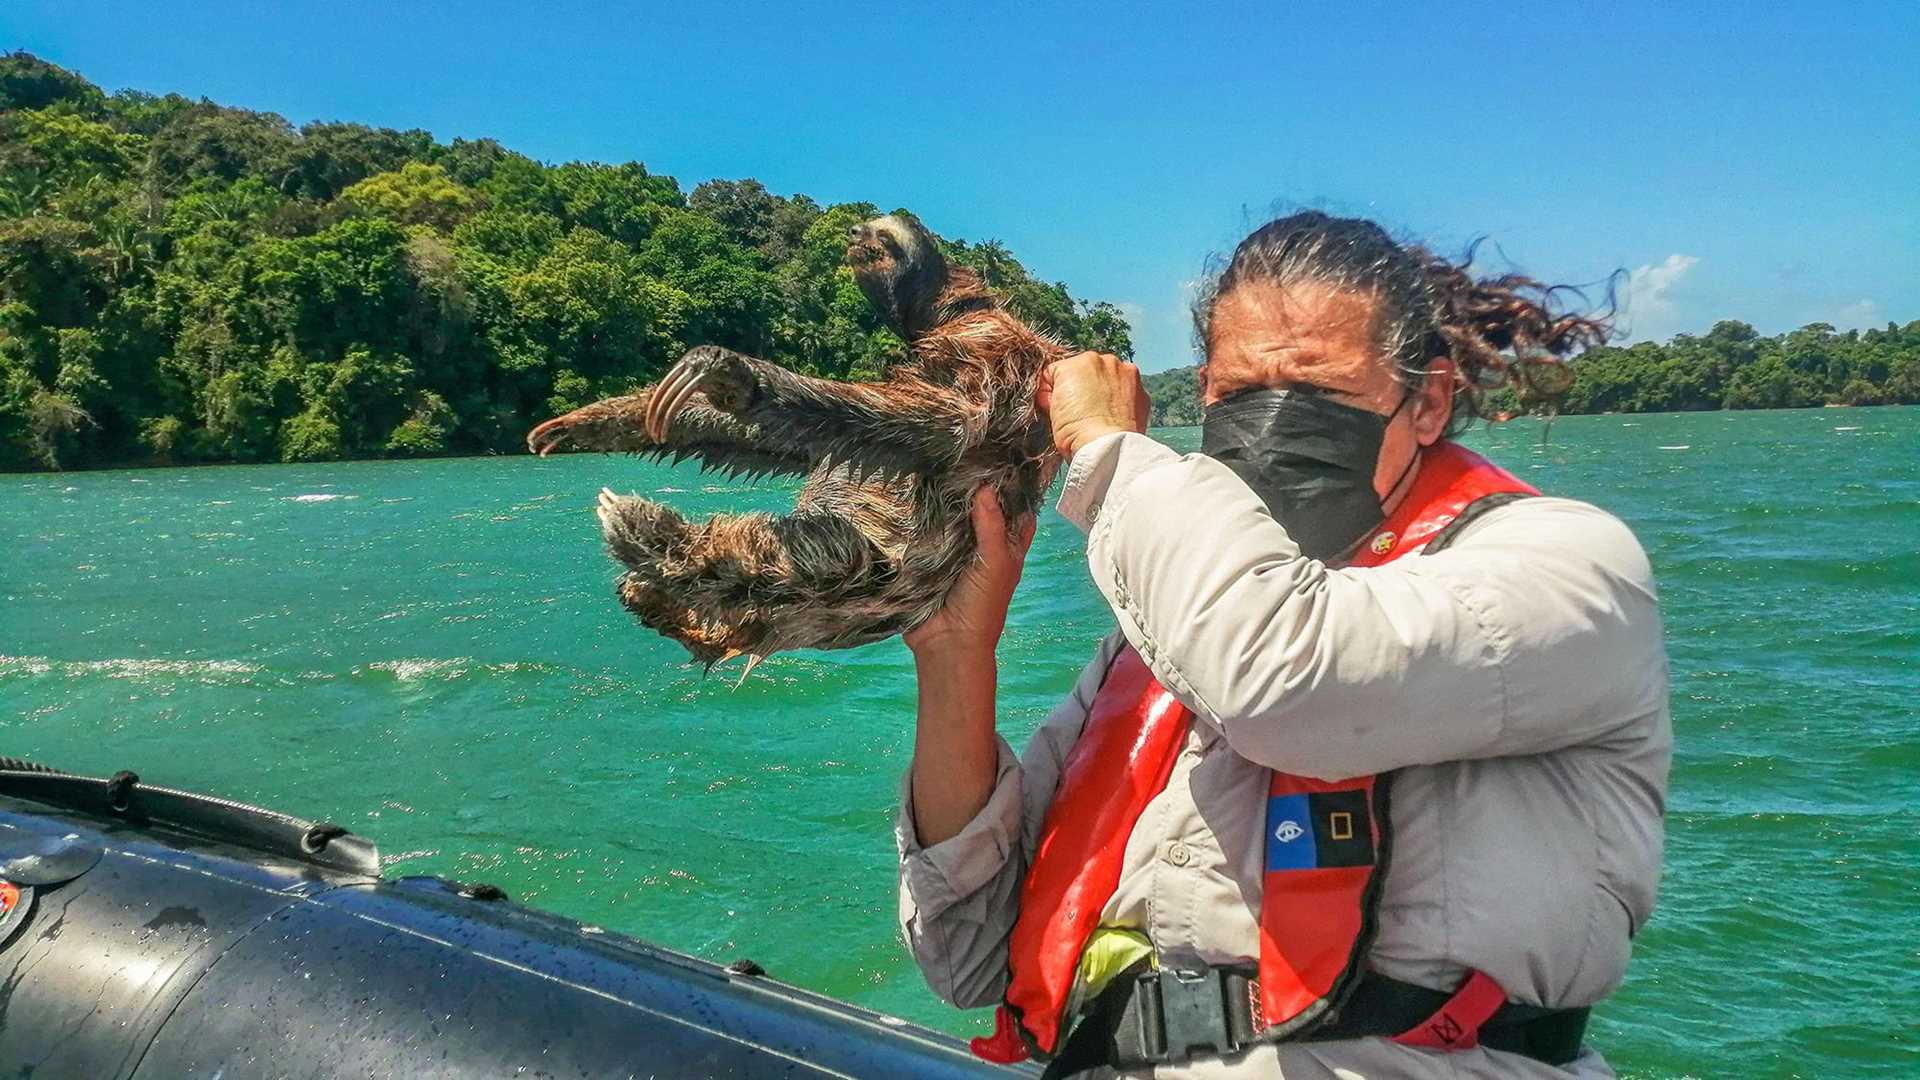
(1188, 1014)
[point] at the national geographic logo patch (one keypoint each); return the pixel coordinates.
(1324, 829)
(1342, 827)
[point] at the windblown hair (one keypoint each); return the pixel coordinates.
(1509, 330)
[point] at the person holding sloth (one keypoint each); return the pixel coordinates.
(1369, 780)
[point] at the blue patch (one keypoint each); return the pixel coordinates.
(1290, 834)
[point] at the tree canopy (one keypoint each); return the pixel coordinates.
(184, 281)
(1730, 367)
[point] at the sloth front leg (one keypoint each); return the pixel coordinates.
(902, 423)
(721, 441)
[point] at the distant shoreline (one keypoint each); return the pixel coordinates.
(1645, 412)
(134, 466)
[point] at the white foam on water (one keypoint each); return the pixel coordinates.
(1846, 429)
(1682, 446)
(126, 668)
(313, 498)
(669, 491)
(414, 668)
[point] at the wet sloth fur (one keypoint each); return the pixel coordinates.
(881, 529)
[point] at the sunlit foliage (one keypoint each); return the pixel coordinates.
(183, 281)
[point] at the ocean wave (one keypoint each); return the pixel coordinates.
(128, 668)
(24, 665)
(318, 497)
(416, 668)
(448, 669)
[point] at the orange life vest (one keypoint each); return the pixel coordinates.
(1326, 845)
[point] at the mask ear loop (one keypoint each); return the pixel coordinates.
(1412, 459)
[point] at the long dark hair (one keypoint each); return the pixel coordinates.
(1508, 330)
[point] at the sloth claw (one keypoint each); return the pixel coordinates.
(547, 438)
(722, 377)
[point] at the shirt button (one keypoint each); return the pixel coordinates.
(1178, 854)
(1093, 511)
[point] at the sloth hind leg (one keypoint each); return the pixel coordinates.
(734, 573)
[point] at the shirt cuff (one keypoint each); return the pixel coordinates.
(942, 874)
(1107, 464)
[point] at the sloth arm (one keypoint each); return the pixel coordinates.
(721, 441)
(904, 422)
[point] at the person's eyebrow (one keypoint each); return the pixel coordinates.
(1323, 389)
(1342, 392)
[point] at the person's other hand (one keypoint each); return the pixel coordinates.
(1091, 394)
(976, 608)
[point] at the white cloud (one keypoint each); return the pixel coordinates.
(1163, 333)
(1858, 315)
(1649, 308)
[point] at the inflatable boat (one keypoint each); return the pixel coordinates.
(149, 932)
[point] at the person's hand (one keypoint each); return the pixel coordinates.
(1091, 394)
(976, 608)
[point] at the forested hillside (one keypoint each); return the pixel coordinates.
(184, 281)
(1730, 367)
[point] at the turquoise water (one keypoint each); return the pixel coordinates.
(429, 654)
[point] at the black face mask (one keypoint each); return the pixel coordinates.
(1309, 458)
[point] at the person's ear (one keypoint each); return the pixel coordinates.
(1200, 374)
(1433, 407)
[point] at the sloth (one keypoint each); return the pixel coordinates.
(881, 529)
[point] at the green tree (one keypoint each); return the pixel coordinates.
(210, 142)
(28, 82)
(1175, 395)
(330, 158)
(415, 194)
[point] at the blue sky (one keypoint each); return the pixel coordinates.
(1749, 161)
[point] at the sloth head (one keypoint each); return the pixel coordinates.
(898, 265)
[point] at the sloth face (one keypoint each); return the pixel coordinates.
(899, 267)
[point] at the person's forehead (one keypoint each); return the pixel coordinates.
(1266, 336)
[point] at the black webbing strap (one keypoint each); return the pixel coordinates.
(1383, 1006)
(1147, 1018)
(1472, 512)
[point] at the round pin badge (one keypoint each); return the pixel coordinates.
(1384, 543)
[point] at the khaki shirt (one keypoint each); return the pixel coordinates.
(1517, 679)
